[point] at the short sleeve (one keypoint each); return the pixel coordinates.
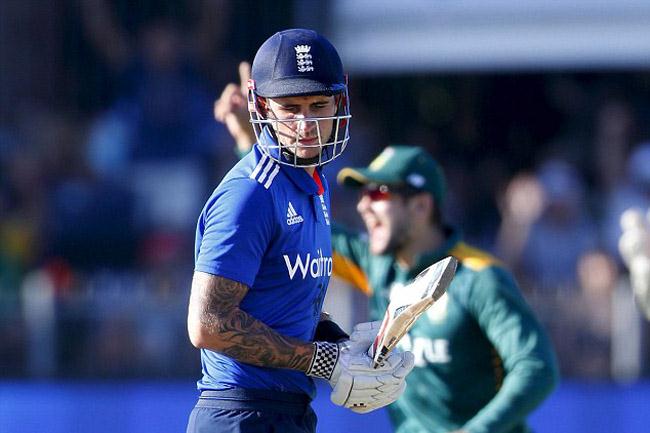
(237, 224)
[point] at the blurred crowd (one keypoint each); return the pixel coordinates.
(108, 150)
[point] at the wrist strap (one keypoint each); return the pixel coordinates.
(325, 357)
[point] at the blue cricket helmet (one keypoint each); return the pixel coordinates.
(298, 62)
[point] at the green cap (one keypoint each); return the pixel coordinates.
(400, 166)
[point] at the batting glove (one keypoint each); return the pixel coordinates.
(363, 335)
(348, 368)
(327, 354)
(362, 388)
(369, 392)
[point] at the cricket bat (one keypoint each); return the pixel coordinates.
(408, 303)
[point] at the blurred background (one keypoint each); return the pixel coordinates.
(539, 111)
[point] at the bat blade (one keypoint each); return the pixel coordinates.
(407, 305)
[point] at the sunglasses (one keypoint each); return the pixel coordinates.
(377, 192)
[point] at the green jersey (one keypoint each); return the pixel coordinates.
(482, 360)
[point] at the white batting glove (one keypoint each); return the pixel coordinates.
(348, 368)
(362, 388)
(326, 361)
(362, 337)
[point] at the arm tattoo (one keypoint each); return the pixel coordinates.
(235, 333)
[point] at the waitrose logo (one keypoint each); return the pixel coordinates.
(315, 266)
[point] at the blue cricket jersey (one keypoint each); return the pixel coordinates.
(266, 226)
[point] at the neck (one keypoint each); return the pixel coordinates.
(310, 170)
(421, 240)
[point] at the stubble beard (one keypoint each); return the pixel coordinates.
(397, 240)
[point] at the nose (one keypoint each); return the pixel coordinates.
(304, 127)
(363, 205)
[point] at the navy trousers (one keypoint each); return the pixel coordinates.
(252, 411)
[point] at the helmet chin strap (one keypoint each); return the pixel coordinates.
(289, 156)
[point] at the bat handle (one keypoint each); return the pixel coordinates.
(371, 349)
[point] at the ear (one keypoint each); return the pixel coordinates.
(262, 106)
(421, 206)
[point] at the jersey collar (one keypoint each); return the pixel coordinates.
(452, 238)
(297, 175)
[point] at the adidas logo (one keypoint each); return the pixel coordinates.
(292, 216)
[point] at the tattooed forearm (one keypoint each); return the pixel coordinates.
(214, 308)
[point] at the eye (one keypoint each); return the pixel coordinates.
(289, 109)
(286, 111)
(320, 105)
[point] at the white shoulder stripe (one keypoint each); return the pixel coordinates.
(267, 167)
(272, 176)
(258, 167)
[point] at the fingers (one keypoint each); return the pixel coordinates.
(356, 390)
(229, 101)
(359, 383)
(364, 334)
(244, 76)
(397, 367)
(380, 401)
(361, 363)
(408, 362)
(362, 340)
(371, 385)
(401, 362)
(233, 97)
(363, 389)
(395, 360)
(367, 326)
(341, 391)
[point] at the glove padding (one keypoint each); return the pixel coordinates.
(360, 387)
(363, 335)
